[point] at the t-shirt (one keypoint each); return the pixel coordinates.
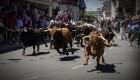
(135, 28)
(81, 22)
(128, 27)
(121, 23)
(37, 15)
(1, 24)
(115, 24)
(19, 23)
(1, 29)
(42, 22)
(11, 21)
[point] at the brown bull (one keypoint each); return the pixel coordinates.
(94, 46)
(60, 39)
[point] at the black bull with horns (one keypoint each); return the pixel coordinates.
(32, 37)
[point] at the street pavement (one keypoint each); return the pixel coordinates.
(122, 63)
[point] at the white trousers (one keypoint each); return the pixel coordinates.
(122, 32)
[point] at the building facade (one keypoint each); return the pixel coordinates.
(107, 10)
(125, 8)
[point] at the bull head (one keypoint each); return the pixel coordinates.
(54, 33)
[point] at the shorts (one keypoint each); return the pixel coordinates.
(133, 36)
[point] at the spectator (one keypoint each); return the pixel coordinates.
(122, 29)
(37, 15)
(12, 20)
(19, 23)
(135, 34)
(42, 22)
(27, 6)
(81, 22)
(96, 23)
(35, 10)
(18, 26)
(2, 30)
(13, 7)
(33, 20)
(52, 20)
(47, 21)
(2, 13)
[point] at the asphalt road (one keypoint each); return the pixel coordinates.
(122, 63)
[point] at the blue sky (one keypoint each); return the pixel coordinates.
(93, 4)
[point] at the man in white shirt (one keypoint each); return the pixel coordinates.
(52, 20)
(116, 24)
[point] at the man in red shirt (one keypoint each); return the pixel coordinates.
(12, 21)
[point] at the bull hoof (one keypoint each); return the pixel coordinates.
(85, 64)
(60, 53)
(72, 52)
(23, 53)
(67, 53)
(46, 45)
(97, 67)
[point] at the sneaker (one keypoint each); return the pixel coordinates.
(130, 45)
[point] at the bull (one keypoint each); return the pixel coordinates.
(82, 31)
(61, 25)
(31, 37)
(61, 37)
(108, 34)
(94, 46)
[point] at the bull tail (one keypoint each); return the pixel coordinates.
(109, 45)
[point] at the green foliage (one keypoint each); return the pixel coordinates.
(90, 16)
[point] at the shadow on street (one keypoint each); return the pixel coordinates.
(106, 68)
(69, 58)
(38, 54)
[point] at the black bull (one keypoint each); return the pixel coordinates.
(108, 34)
(32, 37)
(60, 38)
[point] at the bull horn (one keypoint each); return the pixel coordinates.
(59, 29)
(73, 30)
(85, 38)
(40, 28)
(25, 30)
(47, 30)
(102, 37)
(78, 26)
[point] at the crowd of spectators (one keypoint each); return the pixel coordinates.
(18, 15)
(128, 28)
